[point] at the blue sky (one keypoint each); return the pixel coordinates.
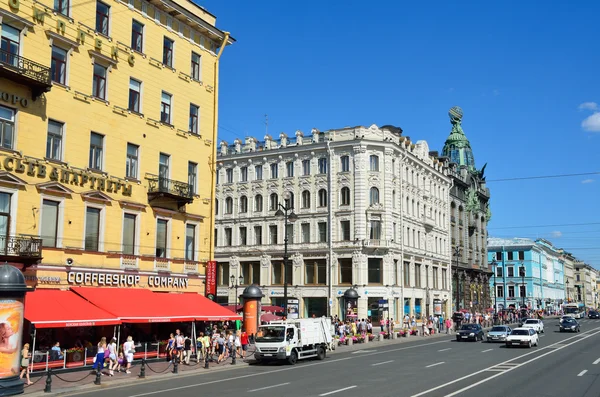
(525, 73)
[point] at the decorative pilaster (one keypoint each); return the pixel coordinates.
(359, 261)
(297, 261)
(361, 192)
(265, 269)
(387, 189)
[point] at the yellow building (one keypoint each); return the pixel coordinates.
(108, 124)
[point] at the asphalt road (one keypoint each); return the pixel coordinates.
(564, 364)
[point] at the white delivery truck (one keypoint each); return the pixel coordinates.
(293, 340)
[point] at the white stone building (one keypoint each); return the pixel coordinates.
(373, 215)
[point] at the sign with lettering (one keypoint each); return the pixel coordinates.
(39, 168)
(13, 99)
(124, 280)
(211, 279)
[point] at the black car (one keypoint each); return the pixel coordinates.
(569, 325)
(593, 314)
(472, 332)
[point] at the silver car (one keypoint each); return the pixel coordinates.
(498, 333)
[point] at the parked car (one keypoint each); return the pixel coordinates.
(569, 325)
(535, 324)
(498, 333)
(522, 337)
(593, 314)
(472, 332)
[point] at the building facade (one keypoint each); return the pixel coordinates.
(586, 284)
(569, 265)
(372, 216)
(469, 217)
(526, 273)
(107, 116)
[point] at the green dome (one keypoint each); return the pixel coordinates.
(457, 147)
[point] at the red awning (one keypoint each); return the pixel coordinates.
(133, 305)
(52, 308)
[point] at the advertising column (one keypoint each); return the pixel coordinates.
(12, 295)
(252, 296)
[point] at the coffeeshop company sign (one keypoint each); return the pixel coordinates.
(125, 280)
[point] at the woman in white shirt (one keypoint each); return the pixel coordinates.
(99, 363)
(129, 349)
(112, 355)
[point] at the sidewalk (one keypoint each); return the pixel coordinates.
(82, 380)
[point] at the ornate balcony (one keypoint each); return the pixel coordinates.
(163, 188)
(162, 264)
(22, 249)
(376, 243)
(428, 222)
(25, 71)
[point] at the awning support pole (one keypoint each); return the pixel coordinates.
(33, 350)
(118, 340)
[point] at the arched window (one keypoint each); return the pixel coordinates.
(216, 207)
(243, 204)
(289, 201)
(393, 199)
(374, 162)
(345, 196)
(374, 196)
(306, 199)
(407, 207)
(228, 205)
(258, 203)
(322, 198)
(273, 201)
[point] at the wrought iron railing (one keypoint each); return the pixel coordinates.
(22, 246)
(170, 186)
(25, 67)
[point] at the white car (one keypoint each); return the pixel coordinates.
(522, 337)
(536, 325)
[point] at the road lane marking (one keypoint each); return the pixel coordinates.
(363, 351)
(337, 391)
(582, 372)
(443, 350)
(433, 365)
(596, 362)
(268, 387)
(488, 350)
(587, 333)
(385, 362)
(294, 368)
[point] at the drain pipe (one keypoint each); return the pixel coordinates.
(330, 227)
(213, 163)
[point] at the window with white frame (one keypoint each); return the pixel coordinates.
(137, 36)
(374, 196)
(322, 227)
(132, 161)
(228, 205)
(229, 175)
(162, 243)
(49, 224)
(7, 127)
(289, 166)
(375, 232)
(58, 65)
(345, 163)
(243, 235)
(273, 202)
(274, 169)
(243, 204)
(500, 291)
(244, 174)
(322, 198)
(168, 47)
(257, 235)
(258, 203)
(345, 196)
(374, 163)
(54, 140)
(305, 167)
(190, 242)
(62, 7)
(195, 67)
(193, 177)
(135, 95)
(96, 151)
(92, 229)
(345, 230)
(511, 291)
(194, 117)
(322, 165)
(165, 107)
(99, 81)
(273, 234)
(305, 231)
(102, 18)
(306, 199)
(258, 175)
(129, 233)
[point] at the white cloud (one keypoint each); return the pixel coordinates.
(592, 123)
(587, 181)
(556, 234)
(588, 106)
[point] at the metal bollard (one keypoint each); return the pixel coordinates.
(143, 369)
(175, 366)
(98, 380)
(48, 388)
(206, 360)
(233, 356)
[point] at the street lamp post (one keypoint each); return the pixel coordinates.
(457, 256)
(235, 285)
(493, 264)
(568, 297)
(288, 214)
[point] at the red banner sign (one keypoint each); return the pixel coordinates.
(211, 280)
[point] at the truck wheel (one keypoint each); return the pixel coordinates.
(293, 358)
(321, 353)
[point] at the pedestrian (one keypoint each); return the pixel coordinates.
(112, 356)
(129, 349)
(448, 325)
(238, 343)
(25, 357)
(220, 348)
(179, 346)
(99, 360)
(187, 346)
(244, 341)
(170, 347)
